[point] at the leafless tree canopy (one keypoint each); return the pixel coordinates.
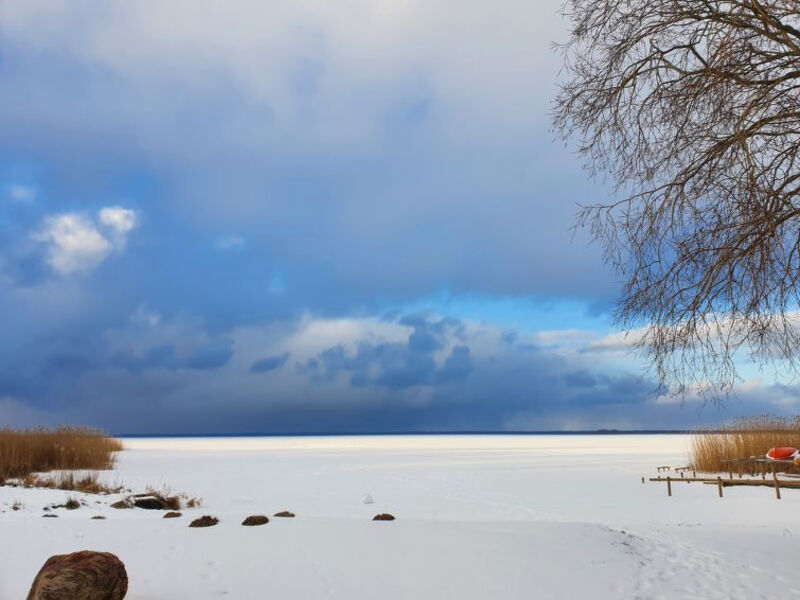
(692, 107)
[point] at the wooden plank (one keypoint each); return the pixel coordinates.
(757, 483)
(784, 483)
(687, 479)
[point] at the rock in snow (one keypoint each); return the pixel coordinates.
(383, 517)
(255, 520)
(204, 521)
(151, 503)
(86, 575)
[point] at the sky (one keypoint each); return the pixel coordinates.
(265, 216)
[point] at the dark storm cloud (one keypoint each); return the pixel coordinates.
(397, 365)
(208, 357)
(400, 212)
(155, 357)
(580, 379)
(316, 187)
(457, 366)
(392, 386)
(270, 363)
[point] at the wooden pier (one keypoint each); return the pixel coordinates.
(774, 482)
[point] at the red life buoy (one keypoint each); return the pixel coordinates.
(782, 453)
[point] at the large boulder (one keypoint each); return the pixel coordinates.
(85, 575)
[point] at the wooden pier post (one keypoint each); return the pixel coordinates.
(719, 486)
(777, 486)
(669, 486)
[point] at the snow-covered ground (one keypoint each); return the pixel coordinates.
(477, 517)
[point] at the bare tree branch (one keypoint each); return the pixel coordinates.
(693, 108)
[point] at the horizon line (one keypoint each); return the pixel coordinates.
(602, 431)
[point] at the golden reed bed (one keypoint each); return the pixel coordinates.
(743, 438)
(27, 451)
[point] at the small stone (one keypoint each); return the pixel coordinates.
(255, 520)
(383, 517)
(122, 504)
(52, 516)
(172, 515)
(204, 521)
(284, 513)
(98, 517)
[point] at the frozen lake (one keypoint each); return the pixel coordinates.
(477, 517)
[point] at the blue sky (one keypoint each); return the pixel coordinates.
(267, 216)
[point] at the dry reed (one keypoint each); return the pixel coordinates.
(87, 483)
(744, 438)
(27, 451)
(174, 501)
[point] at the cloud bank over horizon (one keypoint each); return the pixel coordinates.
(294, 217)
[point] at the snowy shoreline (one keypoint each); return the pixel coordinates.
(477, 517)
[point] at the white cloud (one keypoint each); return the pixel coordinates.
(120, 220)
(618, 341)
(24, 194)
(146, 316)
(230, 242)
(75, 244)
(481, 65)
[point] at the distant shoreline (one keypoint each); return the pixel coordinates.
(413, 433)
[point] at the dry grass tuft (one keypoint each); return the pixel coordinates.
(174, 500)
(27, 451)
(87, 483)
(744, 438)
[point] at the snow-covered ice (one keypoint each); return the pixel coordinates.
(477, 517)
